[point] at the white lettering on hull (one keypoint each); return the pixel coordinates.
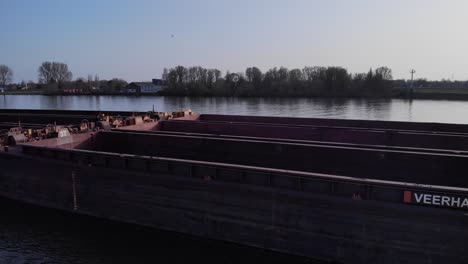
(418, 197)
(435, 199)
(445, 201)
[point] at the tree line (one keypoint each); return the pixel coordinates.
(48, 72)
(55, 77)
(308, 81)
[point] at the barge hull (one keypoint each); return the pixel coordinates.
(405, 202)
(302, 216)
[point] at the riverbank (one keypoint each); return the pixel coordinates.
(424, 93)
(437, 93)
(39, 92)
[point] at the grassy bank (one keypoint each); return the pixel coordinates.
(441, 93)
(23, 92)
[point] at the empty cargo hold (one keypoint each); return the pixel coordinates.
(405, 166)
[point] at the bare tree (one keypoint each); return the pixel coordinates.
(6, 75)
(257, 76)
(45, 71)
(217, 74)
(249, 74)
(63, 74)
(182, 74)
(254, 75)
(295, 75)
(384, 73)
(90, 81)
(54, 72)
(210, 75)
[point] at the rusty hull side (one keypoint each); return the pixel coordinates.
(330, 217)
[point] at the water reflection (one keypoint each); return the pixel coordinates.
(375, 109)
(35, 236)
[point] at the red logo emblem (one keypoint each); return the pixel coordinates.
(407, 197)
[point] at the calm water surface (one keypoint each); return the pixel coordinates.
(31, 235)
(35, 235)
(376, 109)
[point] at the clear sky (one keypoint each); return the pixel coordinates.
(132, 39)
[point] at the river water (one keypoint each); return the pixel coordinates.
(376, 109)
(32, 235)
(35, 236)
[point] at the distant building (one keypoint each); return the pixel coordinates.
(158, 82)
(145, 87)
(130, 89)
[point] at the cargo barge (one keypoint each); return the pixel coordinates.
(348, 191)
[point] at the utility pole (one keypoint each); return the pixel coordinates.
(412, 79)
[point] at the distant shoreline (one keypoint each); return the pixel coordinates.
(416, 95)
